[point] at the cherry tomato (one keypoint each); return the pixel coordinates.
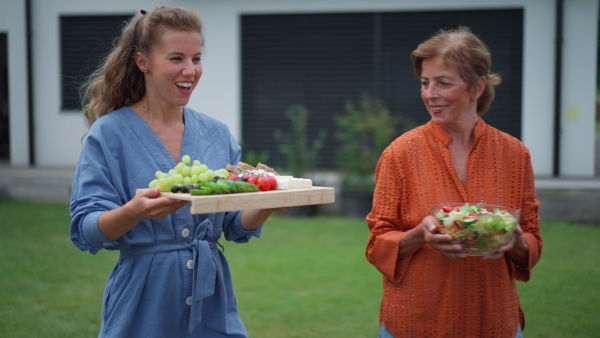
(272, 182)
(251, 179)
(263, 183)
(447, 209)
(233, 176)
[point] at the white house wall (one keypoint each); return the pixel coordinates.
(12, 18)
(58, 133)
(578, 108)
(538, 84)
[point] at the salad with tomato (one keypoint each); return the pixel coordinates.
(479, 228)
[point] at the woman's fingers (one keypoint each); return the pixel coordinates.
(441, 242)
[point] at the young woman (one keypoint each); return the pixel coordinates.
(171, 280)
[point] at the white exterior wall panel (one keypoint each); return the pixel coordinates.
(58, 133)
(578, 108)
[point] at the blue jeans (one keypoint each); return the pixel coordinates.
(384, 333)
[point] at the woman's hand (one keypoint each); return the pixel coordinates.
(284, 209)
(146, 204)
(439, 241)
(516, 249)
(427, 232)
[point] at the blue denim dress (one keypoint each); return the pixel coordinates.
(171, 280)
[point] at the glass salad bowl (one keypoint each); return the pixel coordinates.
(479, 228)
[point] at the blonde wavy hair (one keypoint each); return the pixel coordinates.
(118, 82)
(461, 48)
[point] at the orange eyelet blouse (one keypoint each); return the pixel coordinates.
(426, 294)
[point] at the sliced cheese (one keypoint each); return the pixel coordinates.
(300, 183)
(283, 184)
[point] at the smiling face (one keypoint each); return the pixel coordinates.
(173, 68)
(448, 99)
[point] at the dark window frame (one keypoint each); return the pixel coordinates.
(299, 59)
(85, 42)
(4, 99)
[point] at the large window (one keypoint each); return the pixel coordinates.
(322, 60)
(85, 42)
(4, 121)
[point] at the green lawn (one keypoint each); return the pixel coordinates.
(303, 278)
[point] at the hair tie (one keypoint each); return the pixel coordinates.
(143, 12)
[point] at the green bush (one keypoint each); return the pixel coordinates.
(300, 150)
(364, 130)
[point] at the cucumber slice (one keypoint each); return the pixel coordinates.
(201, 191)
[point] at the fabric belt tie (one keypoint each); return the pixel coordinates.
(203, 284)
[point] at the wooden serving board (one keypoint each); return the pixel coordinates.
(206, 204)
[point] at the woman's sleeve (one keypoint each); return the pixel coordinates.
(234, 231)
(530, 223)
(92, 194)
(384, 220)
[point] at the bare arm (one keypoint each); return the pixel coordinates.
(253, 219)
(411, 241)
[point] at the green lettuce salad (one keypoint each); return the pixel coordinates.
(479, 228)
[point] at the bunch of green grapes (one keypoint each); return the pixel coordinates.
(186, 173)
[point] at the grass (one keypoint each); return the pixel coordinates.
(303, 278)
(562, 299)
(47, 286)
(307, 278)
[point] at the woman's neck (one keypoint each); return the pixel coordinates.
(158, 114)
(463, 133)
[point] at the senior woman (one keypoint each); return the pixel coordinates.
(431, 288)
